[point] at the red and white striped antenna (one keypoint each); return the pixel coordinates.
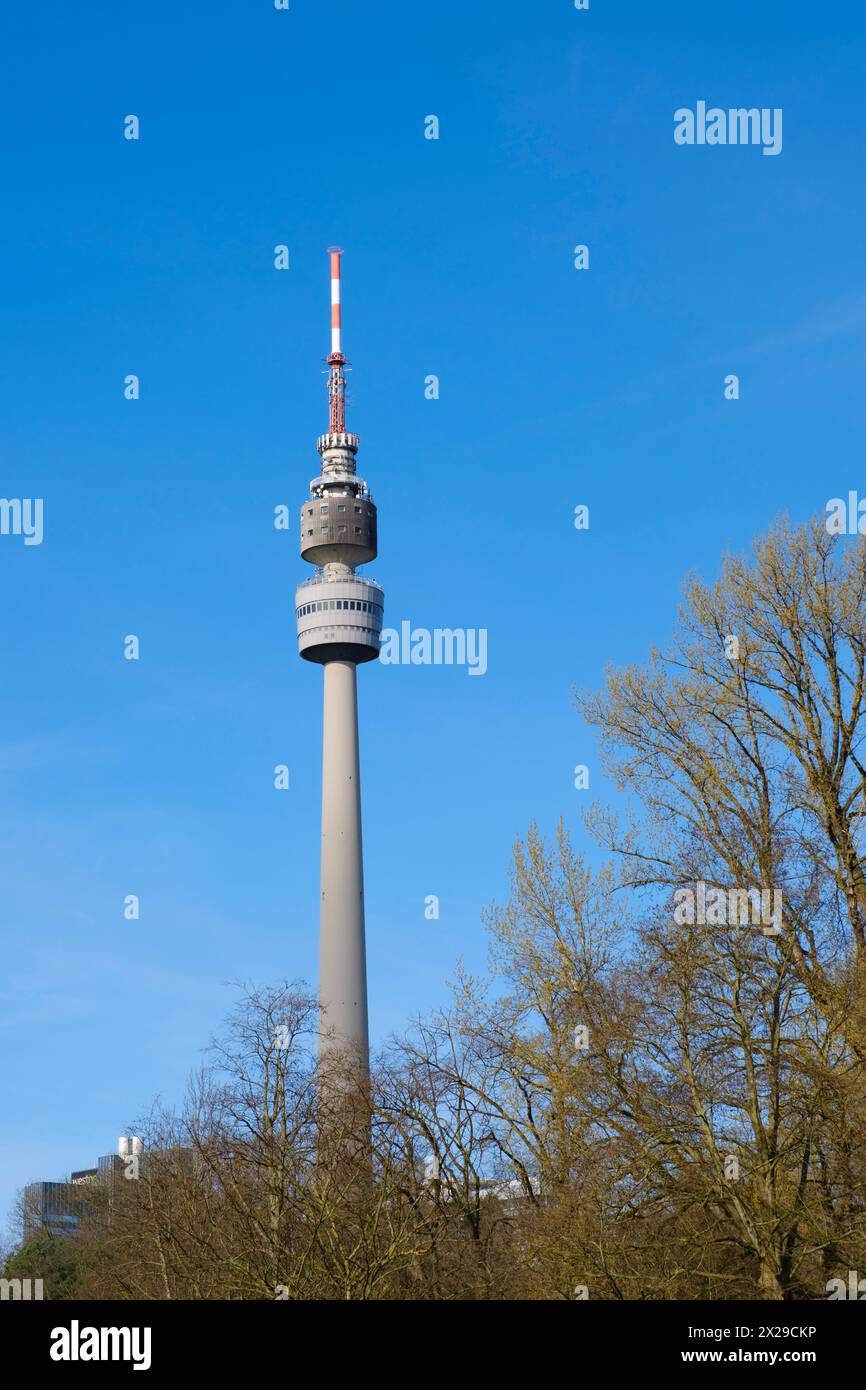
(336, 360)
(335, 252)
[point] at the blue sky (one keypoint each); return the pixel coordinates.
(558, 387)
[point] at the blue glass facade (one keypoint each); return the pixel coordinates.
(52, 1207)
(55, 1208)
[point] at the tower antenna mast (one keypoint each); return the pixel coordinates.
(336, 360)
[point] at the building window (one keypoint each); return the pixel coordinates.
(357, 530)
(341, 507)
(341, 528)
(358, 510)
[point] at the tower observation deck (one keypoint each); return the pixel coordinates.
(339, 620)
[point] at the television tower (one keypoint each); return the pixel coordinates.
(339, 618)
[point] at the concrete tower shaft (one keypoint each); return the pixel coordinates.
(342, 944)
(339, 622)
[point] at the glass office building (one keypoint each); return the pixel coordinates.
(55, 1208)
(52, 1208)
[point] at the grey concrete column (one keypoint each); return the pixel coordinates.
(342, 958)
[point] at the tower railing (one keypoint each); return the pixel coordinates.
(340, 578)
